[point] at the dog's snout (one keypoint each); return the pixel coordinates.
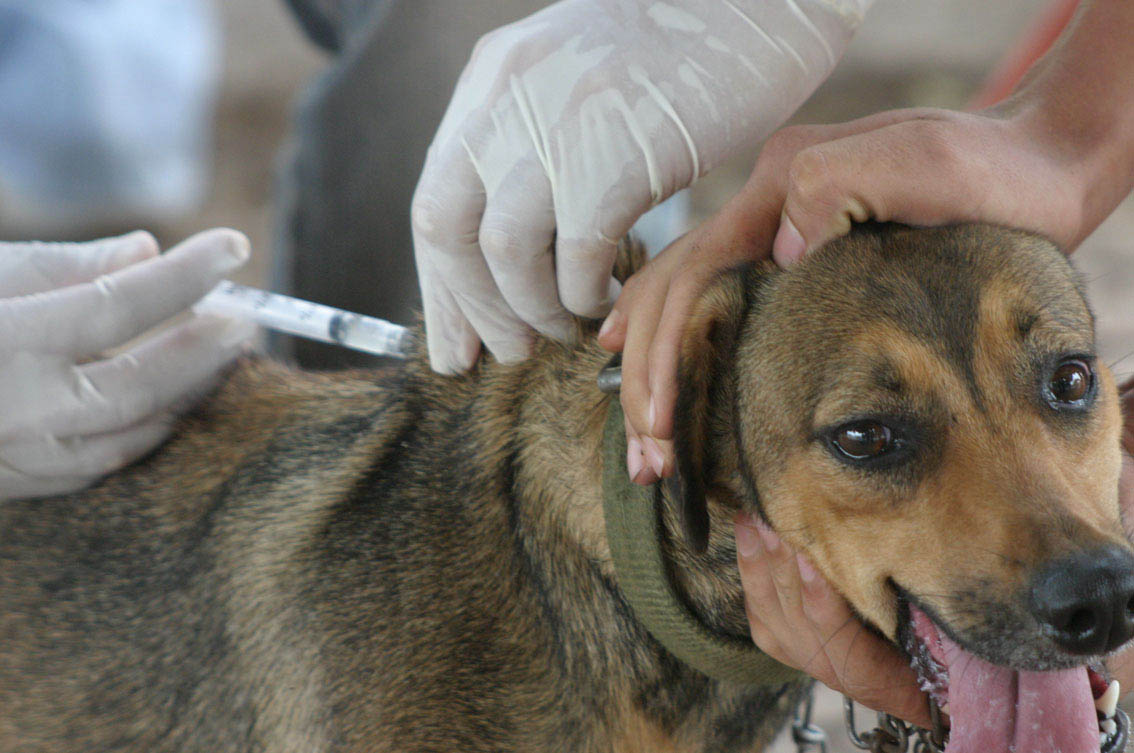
(1086, 600)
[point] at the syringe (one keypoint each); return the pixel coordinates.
(305, 319)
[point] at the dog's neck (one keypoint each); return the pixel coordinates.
(559, 437)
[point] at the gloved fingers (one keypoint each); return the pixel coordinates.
(86, 319)
(45, 465)
(162, 373)
(583, 268)
(446, 224)
(516, 236)
(588, 232)
(452, 342)
(35, 267)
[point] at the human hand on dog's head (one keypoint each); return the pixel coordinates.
(72, 414)
(919, 167)
(910, 166)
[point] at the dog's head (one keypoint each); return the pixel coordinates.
(922, 412)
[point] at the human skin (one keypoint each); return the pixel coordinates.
(1055, 158)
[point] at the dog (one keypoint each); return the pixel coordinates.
(395, 560)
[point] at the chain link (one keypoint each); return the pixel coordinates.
(806, 735)
(892, 735)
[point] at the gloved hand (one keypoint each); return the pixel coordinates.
(68, 414)
(567, 125)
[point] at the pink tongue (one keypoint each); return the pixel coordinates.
(997, 710)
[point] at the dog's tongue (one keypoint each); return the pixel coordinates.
(997, 710)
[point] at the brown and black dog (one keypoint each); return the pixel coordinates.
(400, 561)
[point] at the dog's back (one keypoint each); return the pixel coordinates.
(173, 606)
(348, 562)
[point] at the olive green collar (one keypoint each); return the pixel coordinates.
(634, 532)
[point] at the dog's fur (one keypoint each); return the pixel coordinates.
(399, 561)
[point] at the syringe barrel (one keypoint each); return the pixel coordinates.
(370, 335)
(314, 321)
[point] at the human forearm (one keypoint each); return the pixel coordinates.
(1079, 102)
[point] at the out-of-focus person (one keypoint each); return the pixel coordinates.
(106, 108)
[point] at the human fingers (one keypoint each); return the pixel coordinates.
(931, 169)
(452, 343)
(83, 320)
(761, 599)
(45, 466)
(864, 666)
(458, 290)
(516, 235)
(35, 267)
(642, 299)
(584, 258)
(801, 621)
(158, 374)
(770, 574)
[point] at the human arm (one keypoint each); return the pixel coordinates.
(70, 413)
(569, 124)
(1054, 158)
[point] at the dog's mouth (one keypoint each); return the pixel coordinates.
(995, 709)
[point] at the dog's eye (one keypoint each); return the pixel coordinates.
(863, 439)
(1070, 383)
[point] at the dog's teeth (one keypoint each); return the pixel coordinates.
(1103, 739)
(1108, 701)
(1108, 726)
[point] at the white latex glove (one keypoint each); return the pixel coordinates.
(68, 415)
(567, 125)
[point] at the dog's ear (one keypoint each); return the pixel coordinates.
(705, 372)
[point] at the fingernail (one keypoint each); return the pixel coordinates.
(634, 460)
(768, 536)
(241, 247)
(610, 323)
(806, 570)
(654, 456)
(141, 241)
(652, 418)
(646, 477)
(789, 246)
(747, 540)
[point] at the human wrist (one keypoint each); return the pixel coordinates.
(1074, 105)
(1091, 154)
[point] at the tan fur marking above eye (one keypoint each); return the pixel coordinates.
(920, 369)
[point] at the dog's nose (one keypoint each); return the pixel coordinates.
(1087, 600)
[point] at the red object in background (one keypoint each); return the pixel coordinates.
(1031, 47)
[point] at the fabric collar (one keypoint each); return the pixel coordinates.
(634, 532)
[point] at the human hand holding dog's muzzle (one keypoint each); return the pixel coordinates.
(804, 623)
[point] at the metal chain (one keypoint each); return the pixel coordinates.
(892, 735)
(806, 735)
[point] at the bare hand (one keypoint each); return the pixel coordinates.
(920, 167)
(799, 620)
